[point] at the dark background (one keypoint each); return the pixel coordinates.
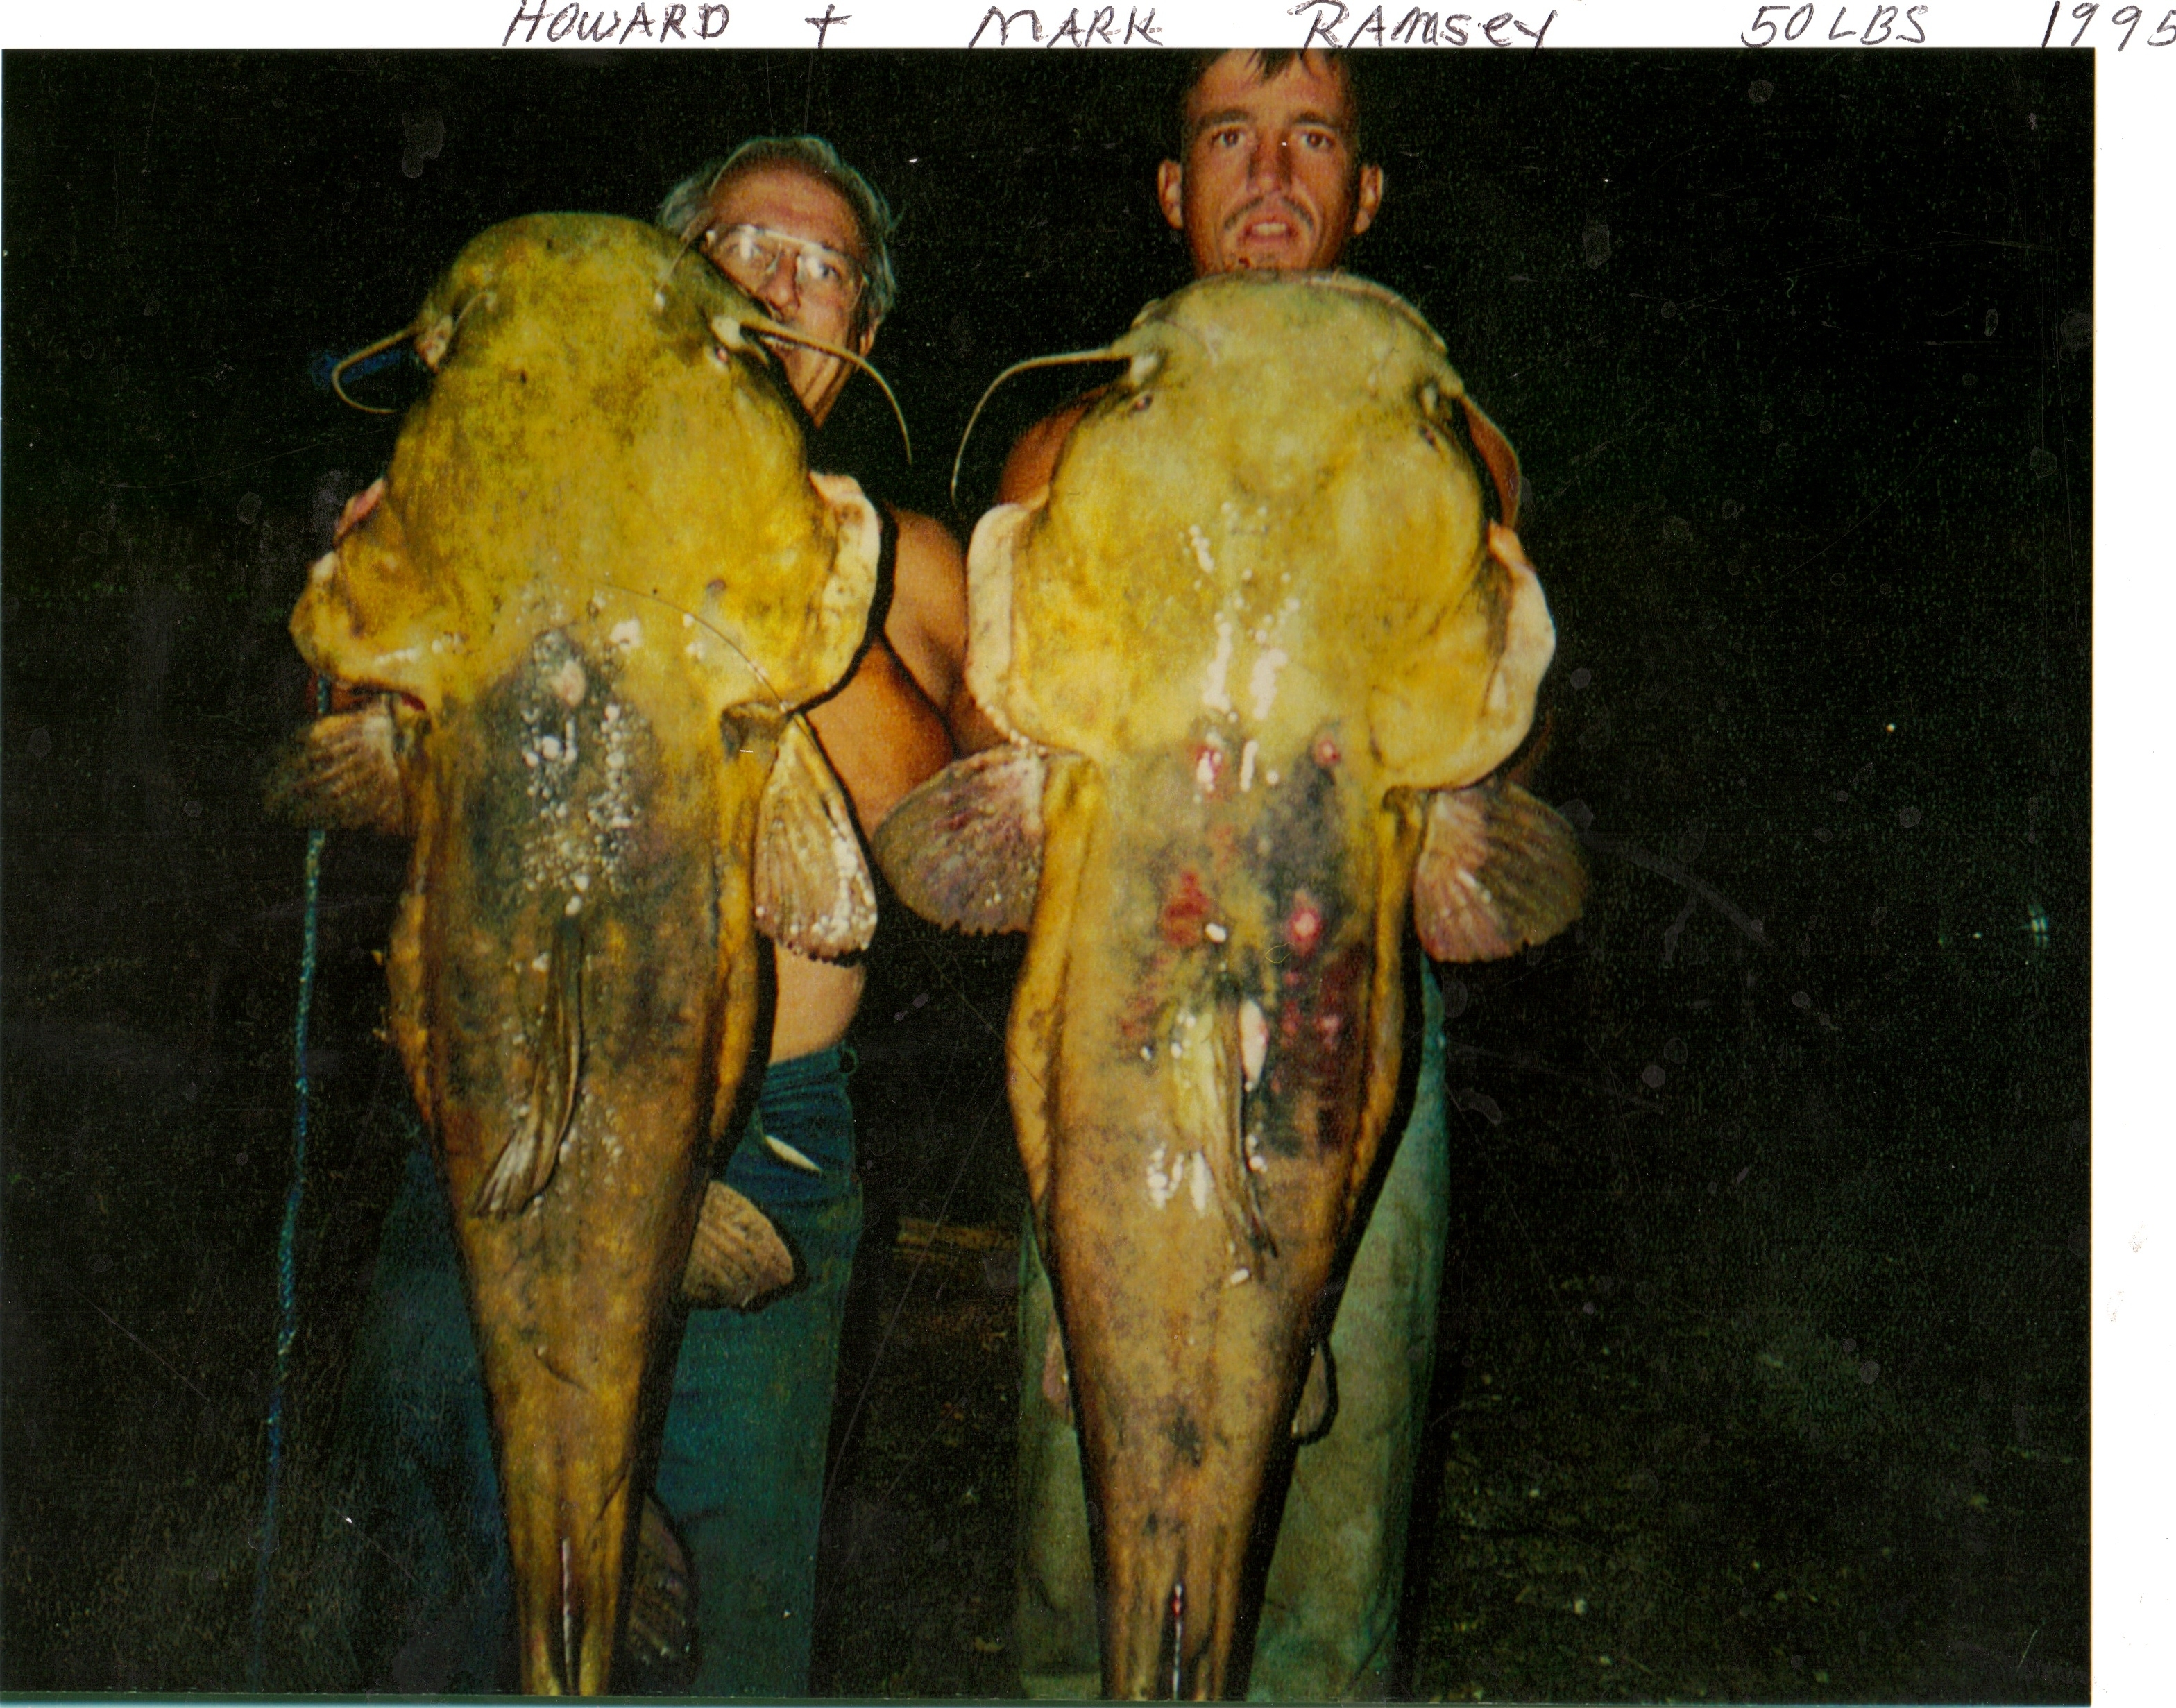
(1764, 1367)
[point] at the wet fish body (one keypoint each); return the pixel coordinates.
(598, 584)
(1261, 650)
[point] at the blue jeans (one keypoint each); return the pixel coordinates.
(412, 1591)
(1330, 1607)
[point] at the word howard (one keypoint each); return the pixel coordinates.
(570, 20)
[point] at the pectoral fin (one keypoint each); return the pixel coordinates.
(1498, 871)
(342, 773)
(812, 891)
(965, 850)
(737, 1256)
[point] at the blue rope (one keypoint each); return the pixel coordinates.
(276, 1419)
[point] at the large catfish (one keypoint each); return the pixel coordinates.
(1262, 652)
(595, 586)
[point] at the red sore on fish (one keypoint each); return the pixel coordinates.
(1186, 910)
(1332, 1011)
(1303, 924)
(1326, 753)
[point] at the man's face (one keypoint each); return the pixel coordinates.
(1270, 177)
(791, 241)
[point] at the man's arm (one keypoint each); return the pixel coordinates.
(1028, 469)
(881, 736)
(927, 626)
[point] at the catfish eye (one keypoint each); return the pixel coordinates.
(1428, 434)
(1140, 403)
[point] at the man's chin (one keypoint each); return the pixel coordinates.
(1270, 257)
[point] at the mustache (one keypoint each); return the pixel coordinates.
(1272, 201)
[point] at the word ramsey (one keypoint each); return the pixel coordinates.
(1415, 29)
(571, 20)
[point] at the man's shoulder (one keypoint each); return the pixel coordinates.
(1034, 457)
(926, 560)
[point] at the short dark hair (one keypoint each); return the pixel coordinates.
(1269, 62)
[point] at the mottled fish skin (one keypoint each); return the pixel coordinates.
(1260, 623)
(596, 584)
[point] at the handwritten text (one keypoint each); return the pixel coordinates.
(1415, 28)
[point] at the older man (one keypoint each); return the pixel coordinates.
(740, 1470)
(1269, 171)
(741, 1466)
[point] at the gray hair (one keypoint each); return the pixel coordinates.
(687, 206)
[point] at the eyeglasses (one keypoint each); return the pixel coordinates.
(751, 254)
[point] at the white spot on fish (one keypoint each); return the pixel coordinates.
(570, 683)
(573, 906)
(1206, 764)
(1199, 542)
(628, 632)
(1271, 778)
(1253, 1042)
(1162, 1182)
(1247, 765)
(542, 964)
(1148, 1052)
(1264, 683)
(1198, 1187)
(1238, 1277)
(582, 882)
(322, 571)
(549, 746)
(687, 621)
(406, 655)
(1212, 687)
(1214, 931)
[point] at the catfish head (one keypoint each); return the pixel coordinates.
(1261, 650)
(583, 609)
